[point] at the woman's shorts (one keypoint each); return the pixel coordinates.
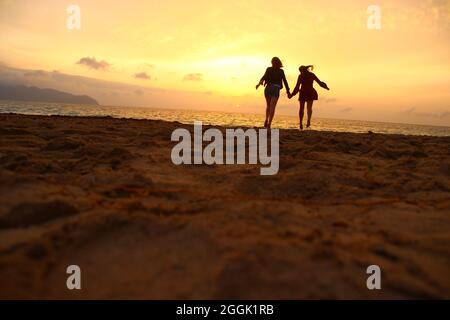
(272, 90)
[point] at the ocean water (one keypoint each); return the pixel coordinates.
(217, 118)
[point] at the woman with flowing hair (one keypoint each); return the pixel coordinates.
(307, 92)
(273, 80)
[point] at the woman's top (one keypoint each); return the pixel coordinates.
(307, 92)
(275, 76)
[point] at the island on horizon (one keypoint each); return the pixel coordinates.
(25, 93)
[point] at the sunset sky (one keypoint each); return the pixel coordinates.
(209, 54)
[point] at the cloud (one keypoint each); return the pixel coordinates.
(142, 75)
(35, 73)
(410, 110)
(92, 63)
(443, 115)
(193, 77)
(330, 100)
(139, 92)
(346, 110)
(147, 65)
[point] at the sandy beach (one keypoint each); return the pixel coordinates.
(102, 193)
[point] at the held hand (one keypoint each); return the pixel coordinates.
(257, 86)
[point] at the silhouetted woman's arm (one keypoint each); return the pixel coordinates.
(297, 86)
(286, 84)
(322, 84)
(263, 79)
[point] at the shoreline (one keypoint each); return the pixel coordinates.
(102, 193)
(245, 126)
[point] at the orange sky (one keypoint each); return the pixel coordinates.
(210, 54)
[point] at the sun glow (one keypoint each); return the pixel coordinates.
(232, 75)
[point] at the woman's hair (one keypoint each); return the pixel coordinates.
(276, 62)
(304, 69)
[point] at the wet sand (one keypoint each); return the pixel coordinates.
(102, 193)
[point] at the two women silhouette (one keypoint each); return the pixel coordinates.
(273, 79)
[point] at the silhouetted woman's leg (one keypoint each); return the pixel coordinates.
(273, 104)
(267, 112)
(309, 105)
(301, 113)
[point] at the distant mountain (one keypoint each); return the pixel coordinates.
(24, 93)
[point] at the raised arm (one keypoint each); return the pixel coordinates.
(322, 84)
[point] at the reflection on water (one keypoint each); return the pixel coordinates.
(216, 118)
